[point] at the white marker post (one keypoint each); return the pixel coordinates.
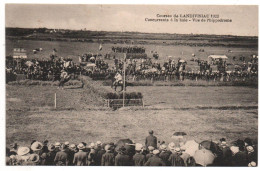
(55, 102)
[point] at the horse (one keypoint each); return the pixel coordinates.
(118, 83)
(62, 81)
(114, 83)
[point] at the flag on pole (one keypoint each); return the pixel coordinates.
(100, 47)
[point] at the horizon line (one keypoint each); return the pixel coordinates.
(135, 31)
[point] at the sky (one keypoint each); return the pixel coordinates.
(132, 18)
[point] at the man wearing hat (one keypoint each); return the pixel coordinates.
(175, 158)
(99, 152)
(150, 154)
(92, 154)
(239, 157)
(34, 160)
(61, 158)
(122, 159)
(80, 158)
(165, 154)
(50, 155)
(139, 158)
(108, 159)
(72, 149)
(23, 155)
(226, 153)
(57, 147)
(45, 147)
(151, 140)
(13, 149)
(155, 160)
(36, 147)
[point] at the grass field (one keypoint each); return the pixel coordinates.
(81, 115)
(201, 112)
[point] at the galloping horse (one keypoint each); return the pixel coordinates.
(63, 79)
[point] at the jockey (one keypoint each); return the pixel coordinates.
(118, 77)
(63, 74)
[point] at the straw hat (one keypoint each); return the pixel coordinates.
(51, 147)
(73, 146)
(163, 147)
(67, 143)
(108, 147)
(250, 149)
(156, 152)
(171, 146)
(138, 147)
(150, 148)
(98, 143)
(57, 144)
(92, 145)
(177, 149)
(34, 158)
(252, 164)
(81, 146)
(23, 151)
(36, 146)
(234, 149)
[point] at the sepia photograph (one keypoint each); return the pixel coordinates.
(131, 85)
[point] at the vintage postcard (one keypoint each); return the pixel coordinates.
(131, 85)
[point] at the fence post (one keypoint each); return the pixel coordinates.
(143, 102)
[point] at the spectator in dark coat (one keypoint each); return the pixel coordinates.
(139, 158)
(92, 155)
(165, 154)
(99, 152)
(61, 158)
(108, 159)
(80, 158)
(13, 149)
(155, 160)
(175, 158)
(122, 159)
(71, 152)
(150, 154)
(50, 156)
(239, 157)
(37, 148)
(151, 140)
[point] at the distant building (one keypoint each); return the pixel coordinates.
(19, 53)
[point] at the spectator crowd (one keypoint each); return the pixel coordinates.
(127, 153)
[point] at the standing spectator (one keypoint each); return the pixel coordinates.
(108, 159)
(80, 158)
(57, 147)
(99, 152)
(175, 159)
(71, 152)
(61, 158)
(50, 155)
(36, 147)
(122, 159)
(151, 140)
(91, 155)
(13, 150)
(150, 154)
(155, 160)
(165, 154)
(45, 147)
(139, 158)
